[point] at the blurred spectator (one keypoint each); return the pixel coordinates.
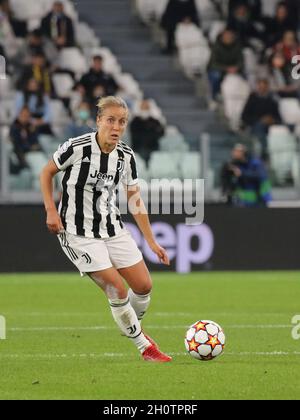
(19, 27)
(288, 45)
(278, 25)
(58, 27)
(82, 122)
(98, 77)
(38, 70)
(176, 11)
(254, 7)
(260, 112)
(146, 129)
(36, 44)
(76, 97)
(244, 180)
(8, 38)
(98, 92)
(281, 81)
(226, 57)
(24, 136)
(38, 105)
(188, 34)
(294, 12)
(240, 21)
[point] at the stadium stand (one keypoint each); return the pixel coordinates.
(131, 42)
(272, 28)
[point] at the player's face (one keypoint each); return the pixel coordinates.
(112, 125)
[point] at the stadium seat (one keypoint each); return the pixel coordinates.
(159, 8)
(145, 10)
(63, 84)
(278, 130)
(49, 144)
(60, 117)
(194, 60)
(193, 49)
(250, 65)
(143, 172)
(280, 138)
(6, 111)
(6, 90)
(235, 91)
(129, 86)
(269, 7)
(33, 24)
(59, 113)
(216, 28)
(149, 9)
(36, 161)
(207, 13)
(190, 165)
(30, 9)
(296, 170)
(72, 59)
(71, 11)
(164, 165)
(189, 35)
(85, 36)
(173, 140)
(282, 148)
(289, 109)
(21, 182)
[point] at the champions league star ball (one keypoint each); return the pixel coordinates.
(205, 340)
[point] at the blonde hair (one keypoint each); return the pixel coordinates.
(108, 101)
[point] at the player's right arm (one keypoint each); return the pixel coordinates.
(53, 221)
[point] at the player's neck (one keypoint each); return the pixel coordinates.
(104, 147)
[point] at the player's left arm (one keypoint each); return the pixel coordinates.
(138, 210)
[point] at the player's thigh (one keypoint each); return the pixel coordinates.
(87, 254)
(123, 251)
(110, 282)
(137, 277)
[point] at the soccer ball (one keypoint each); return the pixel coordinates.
(204, 340)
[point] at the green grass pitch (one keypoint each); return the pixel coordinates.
(63, 344)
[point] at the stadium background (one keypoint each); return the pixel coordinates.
(195, 140)
(199, 133)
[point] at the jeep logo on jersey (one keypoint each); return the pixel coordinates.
(102, 177)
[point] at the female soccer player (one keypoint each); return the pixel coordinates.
(89, 225)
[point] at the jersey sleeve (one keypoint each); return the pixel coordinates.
(64, 155)
(131, 175)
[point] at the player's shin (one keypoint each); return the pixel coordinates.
(125, 316)
(140, 303)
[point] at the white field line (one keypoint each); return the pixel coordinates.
(126, 356)
(153, 327)
(158, 314)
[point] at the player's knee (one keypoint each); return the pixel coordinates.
(144, 289)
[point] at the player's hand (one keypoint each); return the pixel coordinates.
(160, 252)
(54, 222)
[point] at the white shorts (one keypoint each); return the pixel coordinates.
(90, 255)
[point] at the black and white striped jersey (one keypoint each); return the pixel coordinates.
(88, 205)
